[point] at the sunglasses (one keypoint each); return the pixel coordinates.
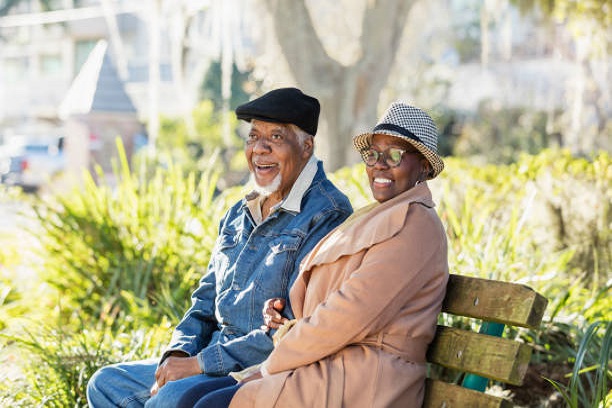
(392, 156)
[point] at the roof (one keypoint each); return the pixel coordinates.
(97, 87)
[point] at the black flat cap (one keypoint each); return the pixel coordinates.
(283, 105)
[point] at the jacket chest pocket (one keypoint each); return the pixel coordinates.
(273, 277)
(224, 257)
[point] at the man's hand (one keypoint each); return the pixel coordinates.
(174, 368)
(271, 314)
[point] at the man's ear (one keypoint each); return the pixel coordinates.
(309, 146)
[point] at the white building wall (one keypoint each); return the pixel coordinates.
(39, 61)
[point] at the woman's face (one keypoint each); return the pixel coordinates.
(387, 182)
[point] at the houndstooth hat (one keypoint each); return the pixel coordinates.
(410, 124)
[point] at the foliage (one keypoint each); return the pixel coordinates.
(592, 17)
(120, 261)
(13, 259)
(551, 203)
(9, 256)
(132, 247)
(58, 363)
(588, 384)
(499, 135)
(193, 147)
(211, 86)
(125, 257)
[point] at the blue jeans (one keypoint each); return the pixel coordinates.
(127, 385)
(216, 393)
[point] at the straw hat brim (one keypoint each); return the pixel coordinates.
(363, 141)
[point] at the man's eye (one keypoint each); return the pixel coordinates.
(277, 136)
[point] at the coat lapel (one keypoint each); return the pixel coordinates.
(366, 227)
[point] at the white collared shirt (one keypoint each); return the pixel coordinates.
(293, 201)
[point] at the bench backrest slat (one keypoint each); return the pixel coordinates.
(440, 394)
(479, 354)
(494, 301)
(492, 357)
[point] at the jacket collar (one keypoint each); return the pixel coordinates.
(293, 202)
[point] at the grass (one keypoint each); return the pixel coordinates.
(588, 381)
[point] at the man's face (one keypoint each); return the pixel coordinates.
(275, 156)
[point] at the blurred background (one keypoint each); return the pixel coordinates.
(120, 152)
(500, 76)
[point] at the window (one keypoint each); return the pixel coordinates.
(82, 48)
(50, 65)
(16, 69)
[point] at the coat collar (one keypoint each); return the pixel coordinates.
(367, 227)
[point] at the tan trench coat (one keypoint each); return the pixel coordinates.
(367, 299)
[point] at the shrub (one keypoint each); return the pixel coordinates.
(194, 140)
(499, 135)
(136, 249)
(121, 261)
(57, 363)
(589, 379)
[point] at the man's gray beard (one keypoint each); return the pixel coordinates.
(266, 190)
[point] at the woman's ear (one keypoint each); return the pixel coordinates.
(425, 170)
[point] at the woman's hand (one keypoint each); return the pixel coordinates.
(271, 314)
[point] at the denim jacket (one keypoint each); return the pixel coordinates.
(250, 264)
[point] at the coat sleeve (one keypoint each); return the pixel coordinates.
(391, 272)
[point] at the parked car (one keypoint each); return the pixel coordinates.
(31, 163)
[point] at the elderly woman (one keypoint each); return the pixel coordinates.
(368, 295)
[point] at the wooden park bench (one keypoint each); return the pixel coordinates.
(483, 355)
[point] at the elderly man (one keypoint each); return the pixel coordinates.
(261, 241)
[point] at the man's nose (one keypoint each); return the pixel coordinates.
(261, 145)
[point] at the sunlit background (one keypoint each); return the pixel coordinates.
(120, 152)
(90, 70)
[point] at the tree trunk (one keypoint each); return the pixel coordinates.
(348, 94)
(178, 23)
(485, 42)
(154, 79)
